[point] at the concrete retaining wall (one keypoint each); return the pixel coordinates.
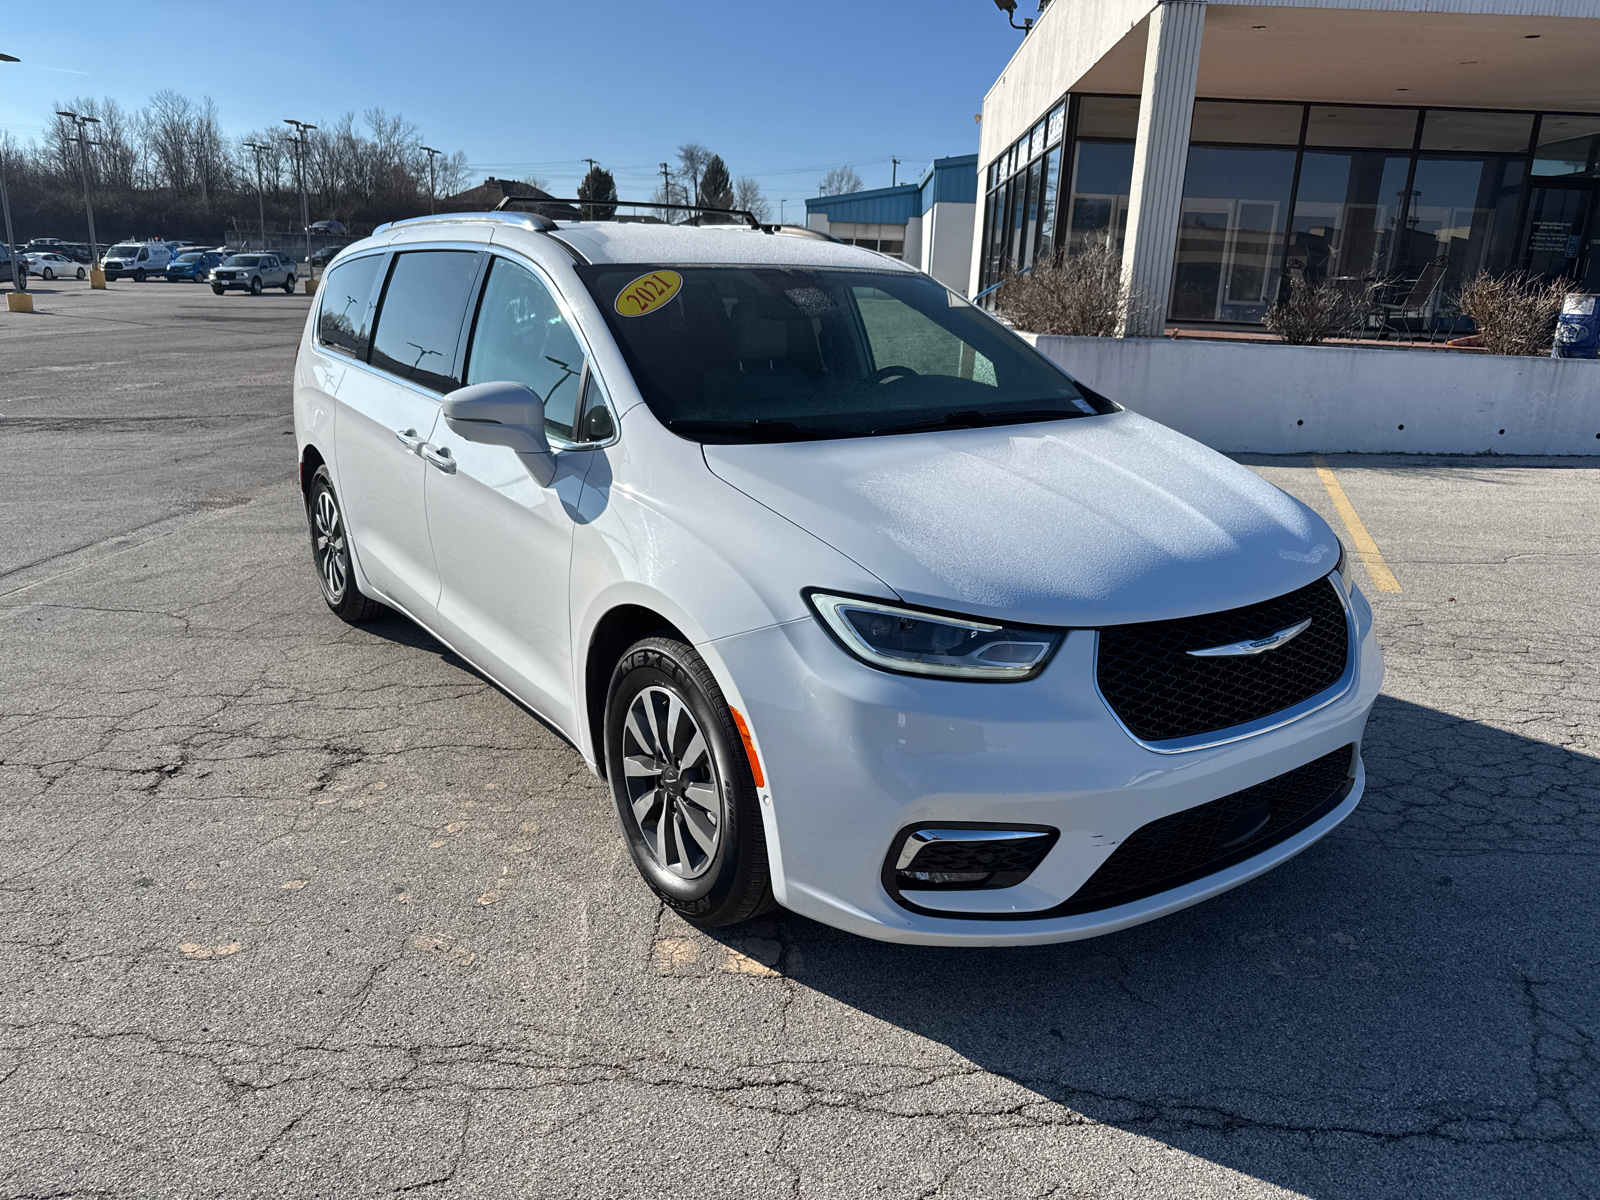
(1275, 399)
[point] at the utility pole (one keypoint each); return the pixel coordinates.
(261, 199)
(666, 189)
(432, 202)
(781, 203)
(593, 163)
(202, 157)
(19, 280)
(301, 129)
(81, 125)
(894, 172)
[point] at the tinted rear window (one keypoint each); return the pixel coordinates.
(345, 319)
(419, 321)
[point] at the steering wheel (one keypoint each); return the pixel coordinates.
(884, 374)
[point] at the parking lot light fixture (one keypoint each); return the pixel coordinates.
(80, 125)
(261, 200)
(19, 281)
(301, 129)
(432, 154)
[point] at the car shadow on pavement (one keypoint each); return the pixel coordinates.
(1408, 1008)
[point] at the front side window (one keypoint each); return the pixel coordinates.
(771, 353)
(419, 319)
(345, 316)
(521, 336)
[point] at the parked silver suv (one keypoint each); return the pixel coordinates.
(254, 272)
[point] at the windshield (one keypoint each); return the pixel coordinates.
(243, 260)
(760, 354)
(122, 251)
(188, 258)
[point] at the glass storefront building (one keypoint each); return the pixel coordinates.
(1401, 205)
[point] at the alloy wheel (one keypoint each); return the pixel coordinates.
(671, 783)
(327, 540)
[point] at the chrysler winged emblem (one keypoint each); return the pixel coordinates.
(1260, 646)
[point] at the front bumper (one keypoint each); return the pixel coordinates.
(854, 755)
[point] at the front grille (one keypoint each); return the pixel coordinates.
(1200, 841)
(1161, 692)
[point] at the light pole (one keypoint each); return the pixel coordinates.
(432, 154)
(300, 157)
(82, 138)
(19, 278)
(261, 200)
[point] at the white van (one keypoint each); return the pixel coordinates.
(859, 604)
(139, 259)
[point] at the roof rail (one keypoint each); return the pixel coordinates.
(743, 214)
(524, 220)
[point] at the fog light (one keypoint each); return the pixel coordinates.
(966, 856)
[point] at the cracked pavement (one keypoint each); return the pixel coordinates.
(289, 908)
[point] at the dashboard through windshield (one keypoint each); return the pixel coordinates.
(762, 354)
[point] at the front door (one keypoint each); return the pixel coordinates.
(1564, 233)
(503, 538)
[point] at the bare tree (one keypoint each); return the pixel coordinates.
(840, 181)
(692, 160)
(747, 195)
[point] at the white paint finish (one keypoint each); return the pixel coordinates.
(854, 755)
(1137, 519)
(1160, 155)
(1241, 396)
(1082, 522)
(818, 221)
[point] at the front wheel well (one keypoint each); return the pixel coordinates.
(617, 630)
(309, 462)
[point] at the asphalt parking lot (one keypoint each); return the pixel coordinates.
(292, 908)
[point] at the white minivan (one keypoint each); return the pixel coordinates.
(859, 604)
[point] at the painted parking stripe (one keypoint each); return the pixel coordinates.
(1382, 578)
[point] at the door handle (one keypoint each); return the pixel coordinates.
(409, 439)
(440, 458)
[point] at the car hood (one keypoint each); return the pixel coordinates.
(1092, 521)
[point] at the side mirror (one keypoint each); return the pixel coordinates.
(498, 414)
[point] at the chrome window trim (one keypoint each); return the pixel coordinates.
(1261, 725)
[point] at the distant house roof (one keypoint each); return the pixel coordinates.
(492, 191)
(951, 180)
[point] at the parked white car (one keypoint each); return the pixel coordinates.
(137, 259)
(860, 605)
(48, 266)
(253, 273)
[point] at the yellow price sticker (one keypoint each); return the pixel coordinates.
(648, 293)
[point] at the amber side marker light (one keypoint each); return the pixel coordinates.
(749, 747)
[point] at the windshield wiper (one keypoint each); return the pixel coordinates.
(973, 419)
(761, 429)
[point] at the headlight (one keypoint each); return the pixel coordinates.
(922, 643)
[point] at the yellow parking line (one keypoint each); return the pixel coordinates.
(1382, 578)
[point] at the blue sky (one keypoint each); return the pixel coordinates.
(781, 91)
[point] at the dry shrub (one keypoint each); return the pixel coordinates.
(1515, 314)
(1310, 314)
(1081, 296)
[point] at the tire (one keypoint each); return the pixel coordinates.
(288, 286)
(81, 275)
(138, 276)
(330, 553)
(667, 723)
(255, 286)
(216, 290)
(48, 275)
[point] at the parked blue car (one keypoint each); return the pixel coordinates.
(193, 265)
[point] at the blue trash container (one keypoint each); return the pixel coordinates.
(1578, 329)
